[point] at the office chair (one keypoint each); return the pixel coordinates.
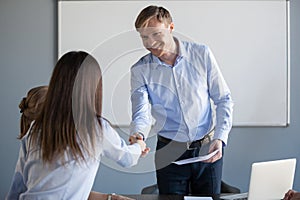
(225, 188)
(152, 189)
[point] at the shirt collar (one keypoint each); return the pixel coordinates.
(182, 54)
(182, 50)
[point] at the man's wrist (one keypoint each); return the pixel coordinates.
(109, 196)
(143, 136)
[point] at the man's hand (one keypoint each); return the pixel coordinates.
(138, 138)
(215, 144)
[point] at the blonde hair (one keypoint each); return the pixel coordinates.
(30, 107)
(159, 13)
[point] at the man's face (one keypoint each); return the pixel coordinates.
(156, 37)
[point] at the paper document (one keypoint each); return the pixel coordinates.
(196, 159)
(197, 198)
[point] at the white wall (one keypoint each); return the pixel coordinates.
(27, 53)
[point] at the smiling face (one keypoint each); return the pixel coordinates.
(157, 37)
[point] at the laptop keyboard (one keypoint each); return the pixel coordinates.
(241, 196)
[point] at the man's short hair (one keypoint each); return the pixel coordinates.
(159, 13)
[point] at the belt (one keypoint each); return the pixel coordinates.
(189, 145)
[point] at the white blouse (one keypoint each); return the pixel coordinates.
(34, 180)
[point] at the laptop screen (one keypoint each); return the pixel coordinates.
(271, 179)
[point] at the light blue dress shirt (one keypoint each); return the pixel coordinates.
(34, 180)
(179, 97)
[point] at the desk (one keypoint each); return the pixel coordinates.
(159, 197)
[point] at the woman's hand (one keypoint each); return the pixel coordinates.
(100, 196)
(138, 138)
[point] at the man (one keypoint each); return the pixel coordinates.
(176, 82)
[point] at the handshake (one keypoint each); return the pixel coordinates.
(139, 138)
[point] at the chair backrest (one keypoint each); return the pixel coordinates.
(226, 188)
(152, 189)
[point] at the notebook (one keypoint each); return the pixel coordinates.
(269, 180)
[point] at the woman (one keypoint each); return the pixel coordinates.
(30, 107)
(61, 152)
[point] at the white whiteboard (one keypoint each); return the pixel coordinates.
(250, 40)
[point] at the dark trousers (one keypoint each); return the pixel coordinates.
(195, 178)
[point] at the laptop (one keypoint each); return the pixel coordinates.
(269, 180)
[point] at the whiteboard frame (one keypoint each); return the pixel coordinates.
(249, 124)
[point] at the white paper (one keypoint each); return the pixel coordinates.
(197, 198)
(196, 159)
